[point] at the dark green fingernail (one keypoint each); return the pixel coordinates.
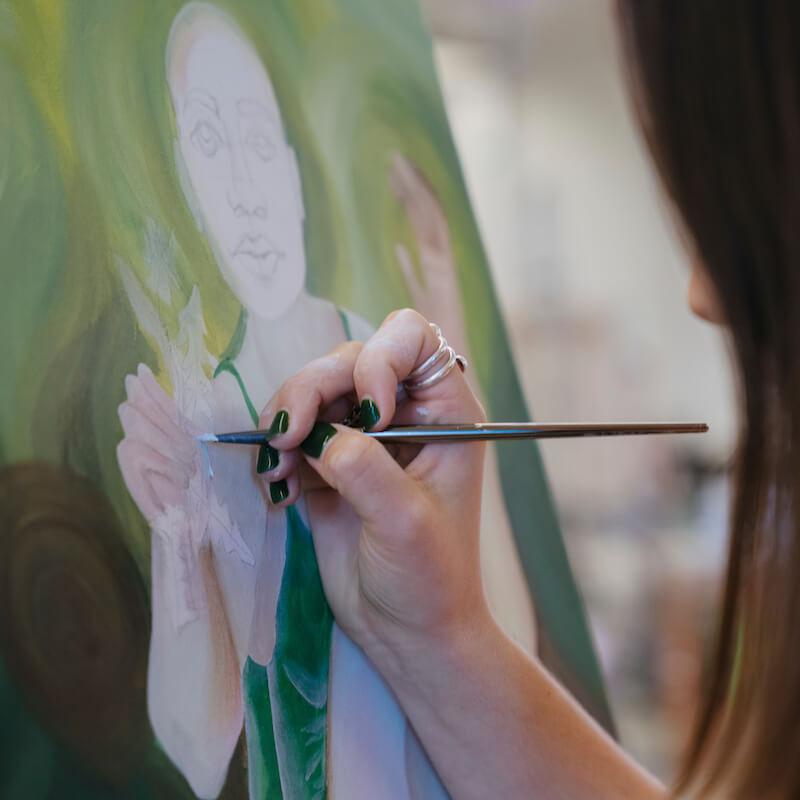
(278, 491)
(315, 442)
(268, 458)
(280, 424)
(369, 414)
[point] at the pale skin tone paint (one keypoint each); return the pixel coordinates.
(405, 583)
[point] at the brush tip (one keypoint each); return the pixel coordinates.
(207, 437)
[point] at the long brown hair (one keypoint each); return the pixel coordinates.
(717, 87)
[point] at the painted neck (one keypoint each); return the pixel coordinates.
(275, 347)
(291, 320)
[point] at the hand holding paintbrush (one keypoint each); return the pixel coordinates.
(398, 544)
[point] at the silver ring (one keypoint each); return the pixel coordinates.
(433, 359)
(436, 367)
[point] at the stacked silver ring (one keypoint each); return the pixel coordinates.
(436, 367)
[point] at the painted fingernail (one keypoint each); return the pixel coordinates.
(280, 424)
(278, 491)
(268, 458)
(369, 414)
(315, 442)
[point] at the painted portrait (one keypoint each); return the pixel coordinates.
(198, 199)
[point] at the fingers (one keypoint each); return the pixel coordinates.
(284, 492)
(320, 384)
(139, 425)
(301, 480)
(370, 373)
(402, 343)
(154, 481)
(361, 471)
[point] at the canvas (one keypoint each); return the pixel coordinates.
(196, 199)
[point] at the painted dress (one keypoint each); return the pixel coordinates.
(290, 692)
(285, 700)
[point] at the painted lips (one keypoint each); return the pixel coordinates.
(259, 255)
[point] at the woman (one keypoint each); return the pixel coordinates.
(718, 98)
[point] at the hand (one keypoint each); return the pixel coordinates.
(397, 539)
(435, 292)
(158, 454)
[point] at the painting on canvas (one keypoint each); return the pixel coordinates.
(196, 199)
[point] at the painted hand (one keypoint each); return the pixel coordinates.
(396, 535)
(158, 454)
(433, 287)
(162, 465)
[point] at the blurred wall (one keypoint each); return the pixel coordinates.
(592, 276)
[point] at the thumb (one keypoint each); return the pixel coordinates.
(361, 470)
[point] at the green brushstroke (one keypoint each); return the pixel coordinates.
(298, 672)
(226, 365)
(262, 757)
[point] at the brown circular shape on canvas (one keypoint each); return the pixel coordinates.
(74, 617)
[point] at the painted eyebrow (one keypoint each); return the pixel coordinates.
(252, 108)
(203, 98)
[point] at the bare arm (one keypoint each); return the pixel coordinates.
(496, 724)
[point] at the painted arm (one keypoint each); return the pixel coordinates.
(404, 582)
(193, 687)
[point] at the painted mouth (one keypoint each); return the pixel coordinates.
(259, 255)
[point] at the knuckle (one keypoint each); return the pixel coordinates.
(349, 456)
(362, 371)
(409, 317)
(349, 350)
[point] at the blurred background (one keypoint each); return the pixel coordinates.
(592, 278)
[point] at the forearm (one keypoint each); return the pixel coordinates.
(496, 724)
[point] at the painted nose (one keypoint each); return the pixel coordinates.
(247, 204)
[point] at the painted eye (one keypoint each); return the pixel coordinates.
(206, 139)
(261, 145)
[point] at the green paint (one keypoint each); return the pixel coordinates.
(228, 366)
(298, 672)
(262, 755)
(237, 340)
(345, 324)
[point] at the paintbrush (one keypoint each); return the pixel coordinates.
(484, 431)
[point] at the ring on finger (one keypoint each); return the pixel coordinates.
(436, 367)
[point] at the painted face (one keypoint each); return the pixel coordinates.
(238, 171)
